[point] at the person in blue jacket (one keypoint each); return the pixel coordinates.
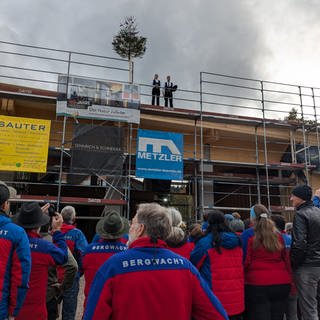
(220, 250)
(316, 198)
(15, 261)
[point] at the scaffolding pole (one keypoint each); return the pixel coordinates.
(257, 165)
(63, 139)
(304, 136)
(265, 144)
(201, 150)
(195, 181)
(316, 124)
(129, 173)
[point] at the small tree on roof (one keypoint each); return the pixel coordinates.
(128, 44)
(293, 115)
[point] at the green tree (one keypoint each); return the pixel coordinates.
(293, 115)
(128, 44)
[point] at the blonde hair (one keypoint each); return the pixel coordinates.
(265, 231)
(177, 234)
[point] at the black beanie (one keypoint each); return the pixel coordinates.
(303, 192)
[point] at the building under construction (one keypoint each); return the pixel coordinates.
(243, 144)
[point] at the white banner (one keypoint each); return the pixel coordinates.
(95, 99)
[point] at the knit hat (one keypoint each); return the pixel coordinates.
(228, 217)
(236, 225)
(12, 191)
(112, 226)
(303, 192)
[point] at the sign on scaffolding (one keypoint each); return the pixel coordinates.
(159, 155)
(24, 144)
(97, 149)
(95, 99)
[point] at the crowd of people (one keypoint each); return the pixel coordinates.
(157, 267)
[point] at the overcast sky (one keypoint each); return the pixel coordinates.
(273, 40)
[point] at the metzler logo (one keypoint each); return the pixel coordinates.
(155, 149)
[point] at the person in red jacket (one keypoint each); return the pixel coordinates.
(178, 239)
(148, 281)
(43, 255)
(110, 229)
(218, 256)
(267, 270)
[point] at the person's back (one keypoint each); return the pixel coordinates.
(264, 267)
(110, 229)
(149, 281)
(218, 257)
(154, 282)
(77, 244)
(54, 287)
(75, 239)
(267, 269)
(43, 254)
(15, 261)
(308, 217)
(305, 250)
(184, 249)
(15, 266)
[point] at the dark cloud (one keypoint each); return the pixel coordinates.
(250, 38)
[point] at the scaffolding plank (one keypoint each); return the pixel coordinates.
(74, 200)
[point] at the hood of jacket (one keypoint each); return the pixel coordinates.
(4, 219)
(66, 228)
(229, 240)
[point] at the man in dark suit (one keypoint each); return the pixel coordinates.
(156, 90)
(168, 89)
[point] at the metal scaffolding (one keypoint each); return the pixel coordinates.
(224, 168)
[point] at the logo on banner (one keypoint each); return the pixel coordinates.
(157, 145)
(159, 155)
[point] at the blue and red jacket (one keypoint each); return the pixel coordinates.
(76, 242)
(44, 254)
(245, 236)
(15, 266)
(316, 201)
(222, 271)
(124, 239)
(95, 255)
(147, 282)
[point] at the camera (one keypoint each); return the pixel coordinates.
(52, 210)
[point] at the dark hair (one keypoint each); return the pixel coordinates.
(4, 194)
(247, 223)
(279, 221)
(216, 225)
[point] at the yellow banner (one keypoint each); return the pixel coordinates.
(24, 144)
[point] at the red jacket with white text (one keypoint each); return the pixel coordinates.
(147, 282)
(95, 255)
(43, 255)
